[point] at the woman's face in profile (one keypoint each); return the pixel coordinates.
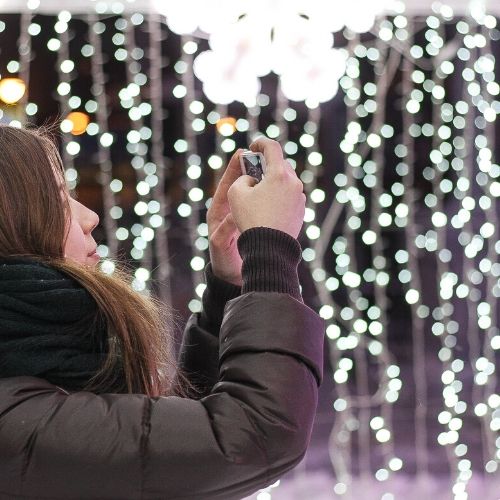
(80, 246)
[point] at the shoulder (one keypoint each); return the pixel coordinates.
(25, 387)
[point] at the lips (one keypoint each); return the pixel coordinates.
(92, 252)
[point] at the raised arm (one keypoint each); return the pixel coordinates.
(270, 258)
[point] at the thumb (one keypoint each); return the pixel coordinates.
(245, 181)
(239, 188)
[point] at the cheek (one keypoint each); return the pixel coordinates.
(75, 243)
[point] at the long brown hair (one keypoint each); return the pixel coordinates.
(30, 202)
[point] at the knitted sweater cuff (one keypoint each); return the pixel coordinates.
(270, 261)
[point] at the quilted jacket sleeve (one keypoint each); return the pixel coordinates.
(199, 351)
(269, 263)
(252, 427)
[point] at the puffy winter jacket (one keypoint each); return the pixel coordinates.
(252, 425)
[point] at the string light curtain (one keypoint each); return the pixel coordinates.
(390, 122)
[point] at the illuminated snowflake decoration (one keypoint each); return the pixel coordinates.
(248, 40)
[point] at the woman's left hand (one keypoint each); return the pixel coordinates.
(222, 231)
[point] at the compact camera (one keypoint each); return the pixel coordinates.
(253, 164)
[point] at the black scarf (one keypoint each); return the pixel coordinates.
(50, 327)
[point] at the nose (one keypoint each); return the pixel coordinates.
(92, 220)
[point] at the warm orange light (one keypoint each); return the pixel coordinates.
(79, 120)
(226, 126)
(12, 90)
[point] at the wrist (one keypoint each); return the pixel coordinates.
(215, 296)
(270, 261)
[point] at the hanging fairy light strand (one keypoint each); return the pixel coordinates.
(359, 303)
(104, 136)
(408, 259)
(488, 265)
(192, 126)
(65, 68)
(443, 326)
(349, 268)
(471, 248)
(479, 73)
(27, 30)
(341, 362)
(138, 111)
(157, 155)
(380, 220)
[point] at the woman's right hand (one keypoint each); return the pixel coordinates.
(277, 201)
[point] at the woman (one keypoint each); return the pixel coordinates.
(93, 403)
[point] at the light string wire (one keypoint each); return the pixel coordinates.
(468, 265)
(437, 238)
(138, 146)
(490, 396)
(64, 71)
(481, 355)
(482, 365)
(280, 131)
(340, 442)
(24, 49)
(351, 312)
(381, 132)
(487, 311)
(221, 112)
(164, 274)
(410, 256)
(387, 371)
(357, 302)
(279, 118)
(148, 233)
(193, 162)
(340, 439)
(252, 117)
(465, 193)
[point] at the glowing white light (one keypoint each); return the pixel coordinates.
(412, 296)
(383, 435)
(395, 464)
(107, 266)
(73, 148)
(351, 279)
(369, 237)
(106, 139)
(340, 376)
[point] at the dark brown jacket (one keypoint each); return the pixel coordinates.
(253, 424)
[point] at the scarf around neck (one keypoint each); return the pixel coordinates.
(50, 326)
